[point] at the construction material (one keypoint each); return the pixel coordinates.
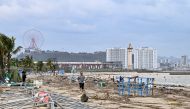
(38, 83)
(136, 86)
(68, 103)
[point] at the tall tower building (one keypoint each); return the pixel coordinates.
(184, 60)
(130, 57)
(145, 58)
(117, 55)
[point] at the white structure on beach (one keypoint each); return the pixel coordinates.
(145, 58)
(117, 55)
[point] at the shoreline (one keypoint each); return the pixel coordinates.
(160, 78)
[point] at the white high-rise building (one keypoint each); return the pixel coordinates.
(117, 55)
(184, 60)
(145, 58)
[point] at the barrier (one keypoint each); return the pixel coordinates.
(136, 86)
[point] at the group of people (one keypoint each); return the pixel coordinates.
(81, 80)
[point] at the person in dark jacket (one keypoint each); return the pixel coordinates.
(23, 77)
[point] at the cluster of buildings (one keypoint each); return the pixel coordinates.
(175, 64)
(184, 61)
(144, 58)
(182, 64)
(133, 59)
(114, 58)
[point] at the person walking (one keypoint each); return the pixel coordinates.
(23, 77)
(81, 79)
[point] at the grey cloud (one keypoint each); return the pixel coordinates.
(116, 21)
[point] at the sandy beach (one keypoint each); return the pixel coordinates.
(165, 97)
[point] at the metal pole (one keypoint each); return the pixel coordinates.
(119, 87)
(129, 87)
(152, 86)
(147, 82)
(52, 105)
(123, 86)
(141, 89)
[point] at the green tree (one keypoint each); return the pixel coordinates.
(27, 62)
(14, 62)
(49, 64)
(3, 49)
(7, 48)
(11, 50)
(40, 66)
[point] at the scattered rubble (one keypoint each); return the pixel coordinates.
(60, 92)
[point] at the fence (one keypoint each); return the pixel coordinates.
(136, 86)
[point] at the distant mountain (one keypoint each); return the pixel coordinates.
(66, 56)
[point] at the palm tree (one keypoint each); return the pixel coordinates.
(3, 50)
(49, 64)
(11, 50)
(15, 62)
(7, 48)
(40, 65)
(28, 62)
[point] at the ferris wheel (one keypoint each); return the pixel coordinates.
(33, 39)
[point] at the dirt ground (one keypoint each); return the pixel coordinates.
(107, 97)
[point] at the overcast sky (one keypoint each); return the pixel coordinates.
(94, 25)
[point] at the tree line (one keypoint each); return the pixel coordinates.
(28, 63)
(9, 65)
(7, 49)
